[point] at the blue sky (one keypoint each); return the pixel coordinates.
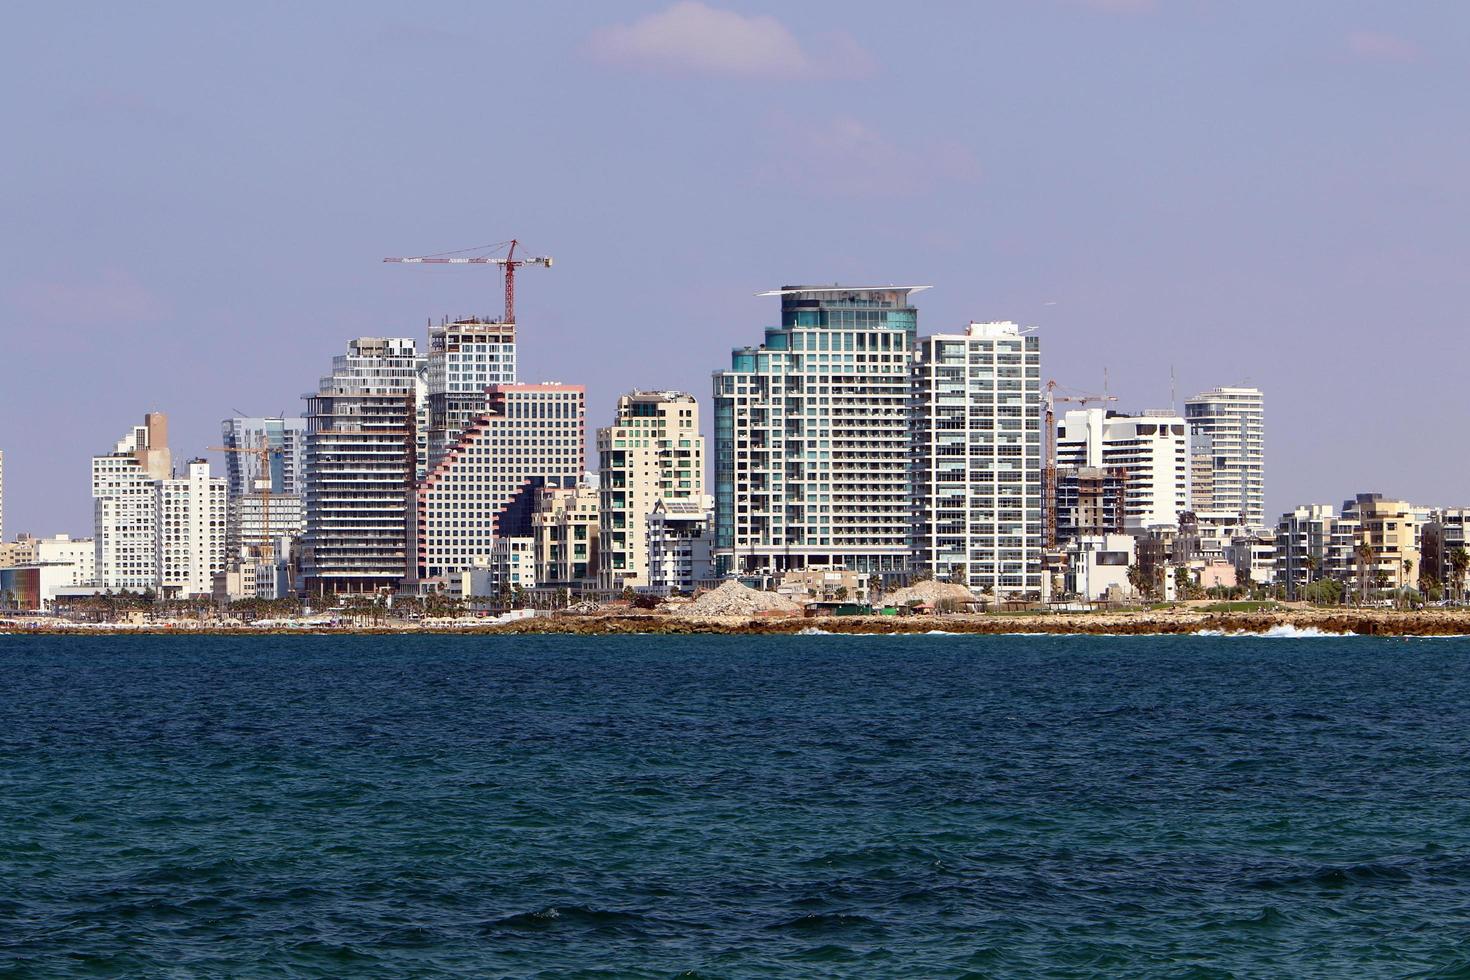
(196, 199)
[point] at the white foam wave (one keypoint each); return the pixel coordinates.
(1283, 631)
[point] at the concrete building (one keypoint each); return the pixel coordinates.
(529, 437)
(976, 451)
(77, 555)
(653, 451)
(248, 487)
(1388, 539)
(1097, 566)
(466, 357)
(1304, 541)
(511, 566)
(1089, 502)
(1149, 452)
(190, 522)
(21, 551)
(1444, 534)
(1253, 556)
(1227, 452)
(361, 459)
(124, 495)
(680, 545)
(565, 525)
(812, 436)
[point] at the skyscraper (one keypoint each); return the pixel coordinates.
(1227, 429)
(653, 451)
(812, 436)
(528, 436)
(361, 459)
(976, 509)
(125, 515)
(465, 358)
(248, 486)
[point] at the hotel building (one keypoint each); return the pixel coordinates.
(812, 436)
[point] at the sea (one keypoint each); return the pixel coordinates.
(734, 806)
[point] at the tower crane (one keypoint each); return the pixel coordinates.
(263, 452)
(509, 263)
(1049, 477)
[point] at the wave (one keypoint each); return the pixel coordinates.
(1283, 631)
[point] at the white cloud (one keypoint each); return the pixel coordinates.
(691, 37)
(1375, 46)
(847, 157)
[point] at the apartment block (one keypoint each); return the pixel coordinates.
(361, 461)
(1388, 539)
(812, 436)
(529, 437)
(125, 508)
(976, 451)
(653, 451)
(1149, 452)
(190, 522)
(565, 525)
(1227, 451)
(680, 544)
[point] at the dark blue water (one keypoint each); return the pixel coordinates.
(814, 806)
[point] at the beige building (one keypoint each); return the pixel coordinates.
(124, 492)
(1390, 529)
(653, 451)
(565, 528)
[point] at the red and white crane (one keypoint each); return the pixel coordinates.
(508, 262)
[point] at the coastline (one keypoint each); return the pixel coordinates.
(1179, 622)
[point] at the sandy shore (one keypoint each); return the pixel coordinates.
(1366, 622)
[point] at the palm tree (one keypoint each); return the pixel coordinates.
(1366, 556)
(1459, 564)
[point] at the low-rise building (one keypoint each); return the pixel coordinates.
(565, 526)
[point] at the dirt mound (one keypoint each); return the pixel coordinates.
(930, 592)
(734, 599)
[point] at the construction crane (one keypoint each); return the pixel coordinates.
(1049, 477)
(263, 452)
(509, 263)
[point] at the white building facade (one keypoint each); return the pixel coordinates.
(1150, 452)
(190, 521)
(1227, 431)
(976, 442)
(124, 496)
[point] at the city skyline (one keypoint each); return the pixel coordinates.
(1243, 195)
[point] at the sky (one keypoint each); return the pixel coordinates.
(195, 201)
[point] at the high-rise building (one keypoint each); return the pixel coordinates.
(528, 436)
(812, 436)
(284, 482)
(124, 494)
(977, 469)
(465, 358)
(565, 525)
(190, 523)
(361, 459)
(1149, 452)
(653, 451)
(1227, 450)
